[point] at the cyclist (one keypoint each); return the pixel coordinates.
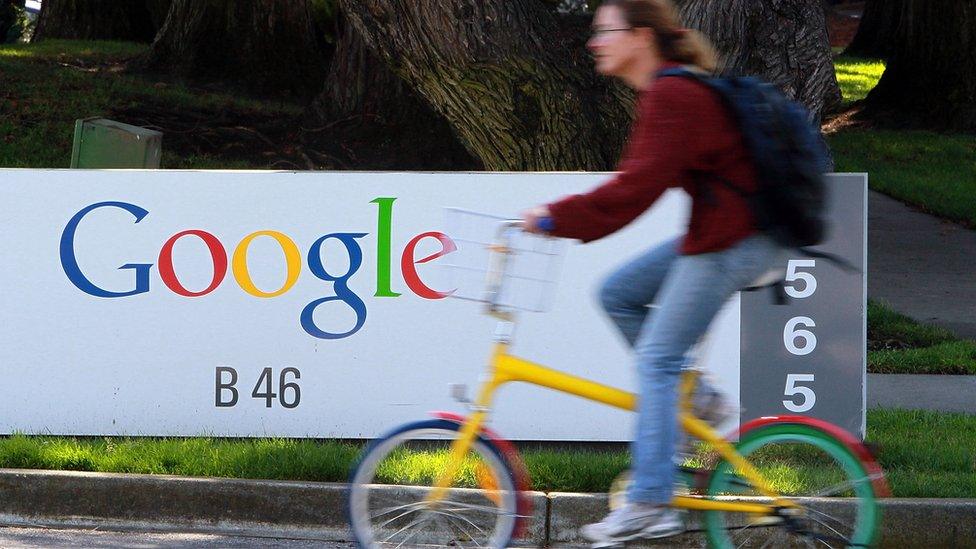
(681, 137)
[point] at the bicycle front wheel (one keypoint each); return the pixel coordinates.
(830, 485)
(389, 489)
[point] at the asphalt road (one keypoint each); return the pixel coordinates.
(49, 538)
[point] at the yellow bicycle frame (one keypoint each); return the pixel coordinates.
(506, 368)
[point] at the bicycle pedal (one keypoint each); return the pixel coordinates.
(765, 520)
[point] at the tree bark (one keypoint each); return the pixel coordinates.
(9, 20)
(782, 41)
(930, 78)
(514, 79)
(359, 83)
(264, 46)
(877, 30)
(158, 9)
(516, 86)
(94, 20)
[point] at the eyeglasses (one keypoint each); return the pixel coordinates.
(598, 33)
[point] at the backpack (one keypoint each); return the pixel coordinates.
(790, 157)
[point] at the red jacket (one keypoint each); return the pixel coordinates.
(682, 128)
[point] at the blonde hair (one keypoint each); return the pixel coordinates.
(674, 42)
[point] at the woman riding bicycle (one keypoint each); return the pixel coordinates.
(683, 137)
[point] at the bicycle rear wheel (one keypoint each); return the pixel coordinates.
(390, 484)
(831, 485)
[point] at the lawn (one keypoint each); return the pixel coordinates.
(900, 345)
(924, 454)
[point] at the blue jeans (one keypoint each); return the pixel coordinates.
(687, 292)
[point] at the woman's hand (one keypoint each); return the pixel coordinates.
(530, 219)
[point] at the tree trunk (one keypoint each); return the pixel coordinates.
(516, 86)
(10, 19)
(782, 41)
(930, 79)
(264, 46)
(94, 20)
(158, 9)
(360, 84)
(878, 29)
(514, 79)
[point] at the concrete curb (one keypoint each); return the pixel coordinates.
(315, 510)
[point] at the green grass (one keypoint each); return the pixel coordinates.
(47, 86)
(857, 76)
(888, 327)
(934, 172)
(899, 345)
(259, 458)
(954, 357)
(925, 454)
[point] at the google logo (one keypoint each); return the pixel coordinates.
(237, 264)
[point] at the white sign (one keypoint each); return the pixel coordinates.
(288, 304)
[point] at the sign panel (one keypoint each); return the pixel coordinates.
(306, 304)
(808, 357)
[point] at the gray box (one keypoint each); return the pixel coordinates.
(103, 143)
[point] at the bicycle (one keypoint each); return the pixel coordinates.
(476, 482)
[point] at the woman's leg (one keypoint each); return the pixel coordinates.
(627, 293)
(693, 292)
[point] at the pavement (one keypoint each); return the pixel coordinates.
(922, 265)
(12, 537)
(922, 392)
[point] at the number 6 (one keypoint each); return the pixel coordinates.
(809, 397)
(791, 334)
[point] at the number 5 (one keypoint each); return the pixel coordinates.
(809, 397)
(792, 274)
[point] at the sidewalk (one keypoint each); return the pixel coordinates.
(922, 392)
(922, 265)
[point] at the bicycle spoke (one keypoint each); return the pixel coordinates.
(389, 510)
(489, 509)
(398, 517)
(831, 489)
(450, 528)
(825, 515)
(752, 533)
(448, 515)
(466, 534)
(841, 537)
(408, 526)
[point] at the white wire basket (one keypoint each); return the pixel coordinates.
(528, 282)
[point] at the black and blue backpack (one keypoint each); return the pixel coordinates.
(789, 203)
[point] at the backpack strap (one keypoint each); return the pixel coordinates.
(833, 258)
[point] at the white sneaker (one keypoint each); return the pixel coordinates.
(633, 521)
